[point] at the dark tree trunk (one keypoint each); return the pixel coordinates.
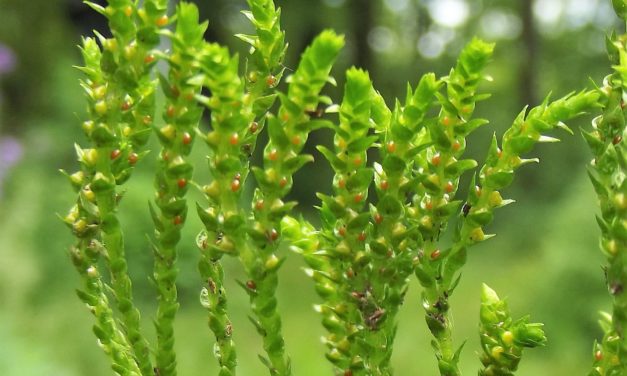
(528, 61)
(361, 12)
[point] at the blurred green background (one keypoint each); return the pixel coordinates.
(545, 257)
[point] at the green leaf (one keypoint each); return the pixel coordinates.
(446, 104)
(293, 108)
(98, 8)
(540, 125)
(313, 70)
(480, 217)
(358, 223)
(260, 177)
(360, 180)
(361, 144)
(329, 202)
(468, 127)
(438, 135)
(103, 136)
(448, 209)
(529, 335)
(280, 211)
(459, 167)
(155, 218)
(620, 7)
(520, 144)
(233, 223)
(250, 39)
(358, 86)
(293, 164)
(277, 133)
(313, 125)
(188, 28)
(174, 207)
(228, 165)
(393, 164)
(262, 104)
(475, 55)
(336, 162)
(499, 179)
(401, 132)
(390, 206)
(414, 151)
(426, 89)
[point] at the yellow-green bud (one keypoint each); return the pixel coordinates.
(80, 226)
(92, 272)
(477, 235)
(88, 127)
(426, 222)
(507, 337)
(272, 262)
(72, 216)
(99, 92)
(495, 199)
(620, 201)
(90, 157)
(111, 44)
(101, 107)
(77, 178)
(496, 352)
(168, 132)
(212, 190)
(89, 194)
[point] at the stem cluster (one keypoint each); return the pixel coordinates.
(608, 172)
(362, 258)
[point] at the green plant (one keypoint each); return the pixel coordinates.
(607, 172)
(367, 249)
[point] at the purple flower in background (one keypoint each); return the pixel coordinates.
(10, 154)
(7, 59)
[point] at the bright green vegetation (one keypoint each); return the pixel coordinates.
(396, 210)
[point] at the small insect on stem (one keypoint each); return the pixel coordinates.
(466, 209)
(247, 150)
(617, 139)
(374, 319)
(315, 114)
(212, 286)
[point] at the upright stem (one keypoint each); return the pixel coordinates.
(174, 172)
(113, 242)
(111, 339)
(608, 171)
(213, 297)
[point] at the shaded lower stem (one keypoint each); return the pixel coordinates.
(262, 271)
(213, 297)
(116, 261)
(110, 338)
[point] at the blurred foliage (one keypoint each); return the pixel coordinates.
(545, 257)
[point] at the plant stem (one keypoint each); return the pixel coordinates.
(120, 281)
(182, 115)
(213, 297)
(113, 342)
(608, 172)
